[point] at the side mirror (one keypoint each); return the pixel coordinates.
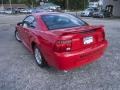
(31, 25)
(20, 23)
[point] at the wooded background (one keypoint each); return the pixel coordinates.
(65, 4)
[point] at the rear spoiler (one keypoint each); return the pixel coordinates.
(82, 30)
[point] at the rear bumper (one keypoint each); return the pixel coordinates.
(83, 15)
(68, 61)
(97, 16)
(86, 15)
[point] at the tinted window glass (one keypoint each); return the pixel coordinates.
(31, 22)
(34, 23)
(59, 21)
(29, 19)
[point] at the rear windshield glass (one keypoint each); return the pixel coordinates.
(60, 21)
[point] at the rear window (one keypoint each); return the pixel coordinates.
(60, 21)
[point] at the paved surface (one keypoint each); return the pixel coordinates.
(18, 70)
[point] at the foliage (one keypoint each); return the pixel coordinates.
(72, 4)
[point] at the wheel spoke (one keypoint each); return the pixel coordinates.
(17, 36)
(38, 56)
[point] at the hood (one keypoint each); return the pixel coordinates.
(86, 11)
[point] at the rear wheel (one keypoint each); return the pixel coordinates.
(17, 36)
(39, 57)
(103, 16)
(110, 15)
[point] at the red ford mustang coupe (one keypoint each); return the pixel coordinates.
(61, 40)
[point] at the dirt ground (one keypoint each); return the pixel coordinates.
(18, 70)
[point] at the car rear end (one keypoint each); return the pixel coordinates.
(79, 46)
(85, 14)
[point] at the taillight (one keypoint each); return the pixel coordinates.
(63, 46)
(101, 36)
(103, 33)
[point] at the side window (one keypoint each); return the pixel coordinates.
(34, 23)
(29, 22)
(29, 19)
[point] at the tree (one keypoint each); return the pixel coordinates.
(30, 3)
(72, 4)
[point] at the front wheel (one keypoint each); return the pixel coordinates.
(39, 57)
(17, 36)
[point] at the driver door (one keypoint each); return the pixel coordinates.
(28, 26)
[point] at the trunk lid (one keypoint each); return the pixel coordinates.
(82, 37)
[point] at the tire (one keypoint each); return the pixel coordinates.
(17, 36)
(111, 15)
(39, 59)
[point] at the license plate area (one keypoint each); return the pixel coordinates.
(88, 40)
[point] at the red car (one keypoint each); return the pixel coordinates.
(61, 40)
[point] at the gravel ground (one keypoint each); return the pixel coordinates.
(18, 70)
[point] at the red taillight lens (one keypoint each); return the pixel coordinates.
(103, 33)
(63, 46)
(101, 36)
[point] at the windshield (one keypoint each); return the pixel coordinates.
(89, 9)
(92, 9)
(49, 4)
(60, 21)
